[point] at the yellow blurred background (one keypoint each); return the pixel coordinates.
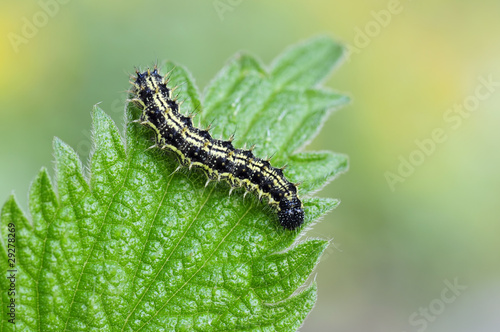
(416, 240)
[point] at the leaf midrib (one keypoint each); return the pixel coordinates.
(104, 219)
(167, 259)
(144, 249)
(204, 263)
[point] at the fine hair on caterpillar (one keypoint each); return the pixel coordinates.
(219, 159)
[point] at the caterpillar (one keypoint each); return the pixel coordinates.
(218, 158)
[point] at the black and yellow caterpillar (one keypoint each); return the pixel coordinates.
(219, 159)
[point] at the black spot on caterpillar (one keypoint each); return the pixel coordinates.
(219, 159)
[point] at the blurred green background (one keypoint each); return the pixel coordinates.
(395, 250)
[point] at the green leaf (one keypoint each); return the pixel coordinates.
(308, 63)
(131, 245)
(313, 170)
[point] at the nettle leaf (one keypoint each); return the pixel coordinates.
(131, 245)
